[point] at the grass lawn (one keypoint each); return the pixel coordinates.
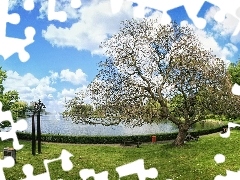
(193, 161)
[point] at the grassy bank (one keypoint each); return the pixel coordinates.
(193, 161)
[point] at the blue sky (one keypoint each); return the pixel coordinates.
(64, 55)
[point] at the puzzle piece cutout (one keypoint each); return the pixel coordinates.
(192, 8)
(137, 167)
(87, 173)
(20, 125)
(60, 15)
(231, 7)
(219, 158)
(230, 175)
(76, 4)
(28, 5)
(66, 166)
(7, 162)
(236, 89)
(9, 45)
(227, 133)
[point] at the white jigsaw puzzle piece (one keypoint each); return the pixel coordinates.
(236, 89)
(66, 166)
(160, 5)
(230, 125)
(60, 15)
(116, 5)
(192, 8)
(76, 3)
(137, 167)
(9, 45)
(7, 162)
(230, 175)
(28, 5)
(87, 173)
(231, 7)
(54, 15)
(28, 171)
(19, 125)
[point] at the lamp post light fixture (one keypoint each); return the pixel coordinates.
(37, 108)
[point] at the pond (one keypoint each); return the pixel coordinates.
(57, 125)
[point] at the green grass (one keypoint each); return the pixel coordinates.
(193, 161)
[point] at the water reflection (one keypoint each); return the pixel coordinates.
(51, 124)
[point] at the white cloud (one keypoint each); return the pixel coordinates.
(14, 3)
(76, 78)
(28, 80)
(95, 24)
(54, 76)
(29, 87)
(224, 51)
(68, 94)
(225, 28)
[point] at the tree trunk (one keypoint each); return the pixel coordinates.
(183, 129)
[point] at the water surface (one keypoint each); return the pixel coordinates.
(57, 125)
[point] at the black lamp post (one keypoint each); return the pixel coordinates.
(37, 107)
(33, 135)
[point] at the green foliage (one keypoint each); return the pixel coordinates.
(176, 105)
(82, 110)
(234, 71)
(3, 76)
(10, 101)
(155, 71)
(19, 108)
(152, 110)
(77, 109)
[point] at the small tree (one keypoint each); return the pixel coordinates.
(234, 71)
(10, 100)
(163, 64)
